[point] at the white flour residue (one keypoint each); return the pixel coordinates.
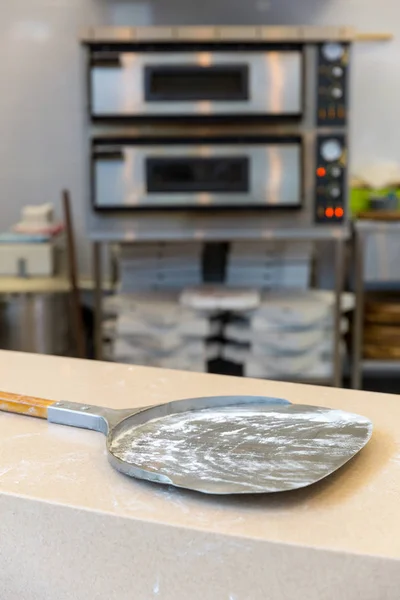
(35, 470)
(156, 588)
(396, 459)
(249, 449)
(4, 470)
(24, 435)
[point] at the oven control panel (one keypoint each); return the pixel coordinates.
(331, 178)
(332, 92)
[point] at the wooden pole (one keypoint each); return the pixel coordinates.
(76, 308)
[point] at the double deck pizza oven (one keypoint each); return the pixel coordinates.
(202, 125)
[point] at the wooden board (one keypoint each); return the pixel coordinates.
(374, 351)
(380, 215)
(382, 334)
(384, 305)
(374, 37)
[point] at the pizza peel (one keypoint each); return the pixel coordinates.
(215, 445)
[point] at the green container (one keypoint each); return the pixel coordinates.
(360, 197)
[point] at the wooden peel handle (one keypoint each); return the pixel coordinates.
(24, 405)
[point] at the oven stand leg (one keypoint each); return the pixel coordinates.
(98, 300)
(337, 336)
(358, 317)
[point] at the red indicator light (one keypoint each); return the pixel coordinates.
(339, 212)
(321, 172)
(329, 212)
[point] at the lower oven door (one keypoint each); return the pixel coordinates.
(223, 173)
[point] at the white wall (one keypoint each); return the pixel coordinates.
(42, 139)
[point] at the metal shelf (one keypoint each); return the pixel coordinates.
(45, 285)
(209, 229)
(324, 381)
(381, 366)
(361, 366)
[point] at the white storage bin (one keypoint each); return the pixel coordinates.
(34, 260)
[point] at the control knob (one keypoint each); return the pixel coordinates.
(333, 51)
(335, 172)
(331, 150)
(334, 191)
(337, 72)
(337, 92)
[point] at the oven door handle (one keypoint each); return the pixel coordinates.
(116, 155)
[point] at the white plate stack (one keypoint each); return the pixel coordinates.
(160, 266)
(290, 336)
(269, 265)
(152, 329)
(217, 299)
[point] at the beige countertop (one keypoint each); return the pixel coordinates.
(60, 475)
(45, 285)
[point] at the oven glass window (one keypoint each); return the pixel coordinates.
(192, 82)
(185, 174)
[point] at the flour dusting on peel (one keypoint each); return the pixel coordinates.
(250, 448)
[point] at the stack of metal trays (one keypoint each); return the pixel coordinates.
(269, 265)
(160, 266)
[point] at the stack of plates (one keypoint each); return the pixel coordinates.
(290, 336)
(153, 329)
(219, 299)
(269, 266)
(161, 266)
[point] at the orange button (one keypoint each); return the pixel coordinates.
(339, 212)
(321, 172)
(329, 212)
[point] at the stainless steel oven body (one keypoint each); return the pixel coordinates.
(196, 83)
(217, 134)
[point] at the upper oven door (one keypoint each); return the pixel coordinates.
(140, 84)
(223, 174)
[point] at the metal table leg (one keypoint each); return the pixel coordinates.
(98, 298)
(358, 320)
(28, 324)
(337, 337)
